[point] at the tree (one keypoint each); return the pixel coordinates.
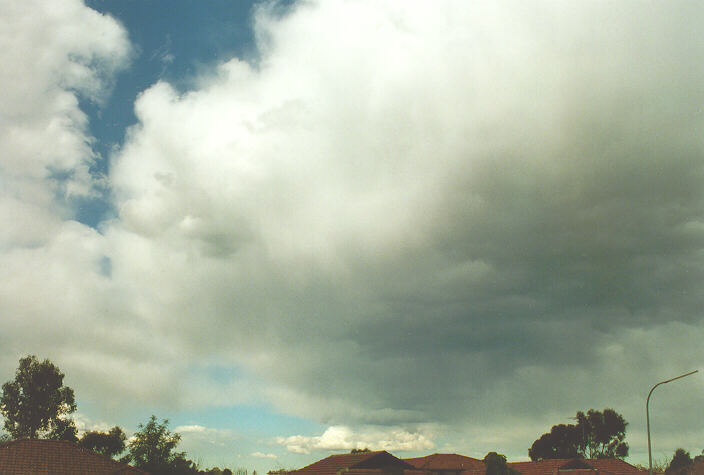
(224, 471)
(64, 429)
(680, 460)
(596, 435)
(111, 443)
(36, 404)
(699, 458)
(496, 464)
(560, 443)
(360, 451)
(603, 434)
(152, 450)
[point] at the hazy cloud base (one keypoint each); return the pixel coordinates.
(485, 216)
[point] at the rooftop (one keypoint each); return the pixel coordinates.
(447, 462)
(39, 456)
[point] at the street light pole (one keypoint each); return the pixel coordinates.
(647, 416)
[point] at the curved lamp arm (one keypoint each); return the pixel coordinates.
(647, 415)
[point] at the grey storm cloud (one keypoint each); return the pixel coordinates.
(470, 214)
(435, 198)
(432, 214)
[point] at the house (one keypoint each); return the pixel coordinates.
(383, 463)
(575, 467)
(39, 456)
(365, 463)
(447, 464)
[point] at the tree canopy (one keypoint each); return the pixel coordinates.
(496, 464)
(153, 450)
(603, 434)
(111, 443)
(360, 451)
(561, 442)
(36, 404)
(680, 460)
(596, 435)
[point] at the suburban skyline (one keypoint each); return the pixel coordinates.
(296, 228)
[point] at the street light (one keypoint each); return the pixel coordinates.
(647, 416)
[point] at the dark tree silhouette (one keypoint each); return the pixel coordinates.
(111, 443)
(496, 464)
(36, 403)
(603, 434)
(360, 451)
(561, 442)
(596, 435)
(63, 429)
(681, 459)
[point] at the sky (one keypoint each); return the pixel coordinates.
(296, 228)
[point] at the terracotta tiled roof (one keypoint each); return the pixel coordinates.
(416, 471)
(542, 467)
(574, 467)
(367, 462)
(615, 466)
(374, 471)
(35, 457)
(447, 462)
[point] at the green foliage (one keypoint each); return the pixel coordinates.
(596, 435)
(111, 443)
(496, 464)
(36, 403)
(63, 429)
(281, 471)
(152, 450)
(603, 434)
(561, 442)
(360, 451)
(217, 471)
(659, 465)
(681, 459)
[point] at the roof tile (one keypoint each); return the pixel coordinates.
(38, 457)
(366, 462)
(575, 466)
(447, 462)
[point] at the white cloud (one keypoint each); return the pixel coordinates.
(474, 214)
(56, 51)
(263, 455)
(198, 429)
(56, 298)
(198, 439)
(427, 198)
(345, 438)
(52, 52)
(85, 423)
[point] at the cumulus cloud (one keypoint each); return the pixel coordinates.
(450, 212)
(84, 424)
(345, 438)
(197, 430)
(56, 52)
(56, 296)
(204, 441)
(485, 215)
(263, 455)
